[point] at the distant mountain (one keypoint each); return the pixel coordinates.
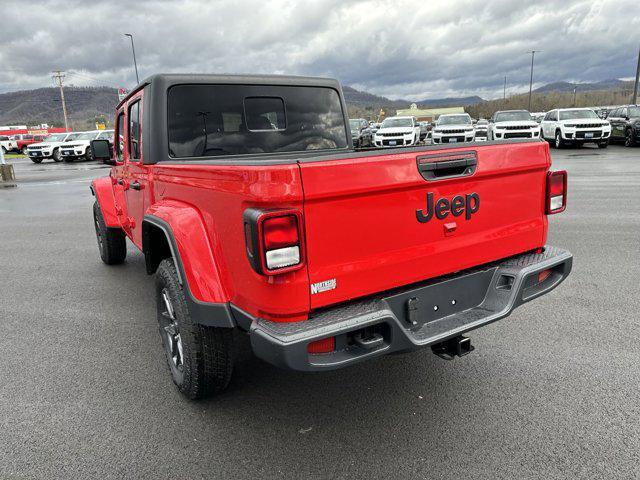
(451, 101)
(43, 105)
(567, 87)
(363, 99)
(84, 104)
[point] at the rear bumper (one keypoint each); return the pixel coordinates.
(414, 317)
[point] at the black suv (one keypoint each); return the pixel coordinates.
(361, 133)
(625, 124)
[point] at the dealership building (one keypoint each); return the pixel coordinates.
(427, 114)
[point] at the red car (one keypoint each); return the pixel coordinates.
(24, 140)
(251, 207)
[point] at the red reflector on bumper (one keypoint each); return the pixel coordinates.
(543, 275)
(325, 345)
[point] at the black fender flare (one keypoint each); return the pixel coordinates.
(203, 313)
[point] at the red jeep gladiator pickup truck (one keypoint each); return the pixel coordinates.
(255, 213)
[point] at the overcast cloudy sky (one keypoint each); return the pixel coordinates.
(401, 49)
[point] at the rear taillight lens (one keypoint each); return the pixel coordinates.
(273, 240)
(280, 232)
(556, 192)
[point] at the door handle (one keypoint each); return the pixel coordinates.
(135, 185)
(120, 181)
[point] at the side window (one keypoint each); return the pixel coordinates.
(554, 116)
(623, 112)
(134, 132)
(120, 137)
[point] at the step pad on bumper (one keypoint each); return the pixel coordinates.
(414, 316)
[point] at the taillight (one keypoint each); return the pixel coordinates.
(273, 240)
(556, 192)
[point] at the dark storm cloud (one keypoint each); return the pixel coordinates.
(410, 49)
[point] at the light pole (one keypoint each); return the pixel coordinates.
(574, 95)
(635, 87)
(504, 91)
(133, 48)
(533, 55)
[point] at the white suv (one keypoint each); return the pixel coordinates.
(7, 144)
(453, 128)
(80, 147)
(508, 124)
(575, 125)
(49, 147)
(397, 132)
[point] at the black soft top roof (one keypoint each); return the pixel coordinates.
(169, 79)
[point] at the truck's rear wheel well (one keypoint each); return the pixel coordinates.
(155, 246)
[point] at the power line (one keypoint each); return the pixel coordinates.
(87, 77)
(59, 77)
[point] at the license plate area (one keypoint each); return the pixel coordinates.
(439, 299)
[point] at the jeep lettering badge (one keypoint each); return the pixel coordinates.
(469, 204)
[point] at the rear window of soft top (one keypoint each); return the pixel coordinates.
(216, 120)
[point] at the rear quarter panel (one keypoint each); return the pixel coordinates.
(221, 194)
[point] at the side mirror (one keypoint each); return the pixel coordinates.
(102, 151)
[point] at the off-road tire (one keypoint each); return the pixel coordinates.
(23, 150)
(36, 160)
(207, 352)
(88, 156)
(57, 156)
(111, 241)
(629, 141)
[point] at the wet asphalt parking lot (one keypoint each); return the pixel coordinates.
(550, 392)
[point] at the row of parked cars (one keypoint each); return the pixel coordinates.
(560, 127)
(67, 147)
(18, 143)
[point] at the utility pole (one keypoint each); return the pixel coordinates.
(635, 88)
(504, 90)
(533, 55)
(58, 76)
(574, 95)
(133, 48)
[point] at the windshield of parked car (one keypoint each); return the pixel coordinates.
(4, 139)
(577, 114)
(73, 136)
(634, 111)
(354, 124)
(105, 135)
(58, 137)
(86, 136)
(397, 122)
(214, 120)
(521, 115)
(454, 120)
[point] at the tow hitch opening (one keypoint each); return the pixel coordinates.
(454, 347)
